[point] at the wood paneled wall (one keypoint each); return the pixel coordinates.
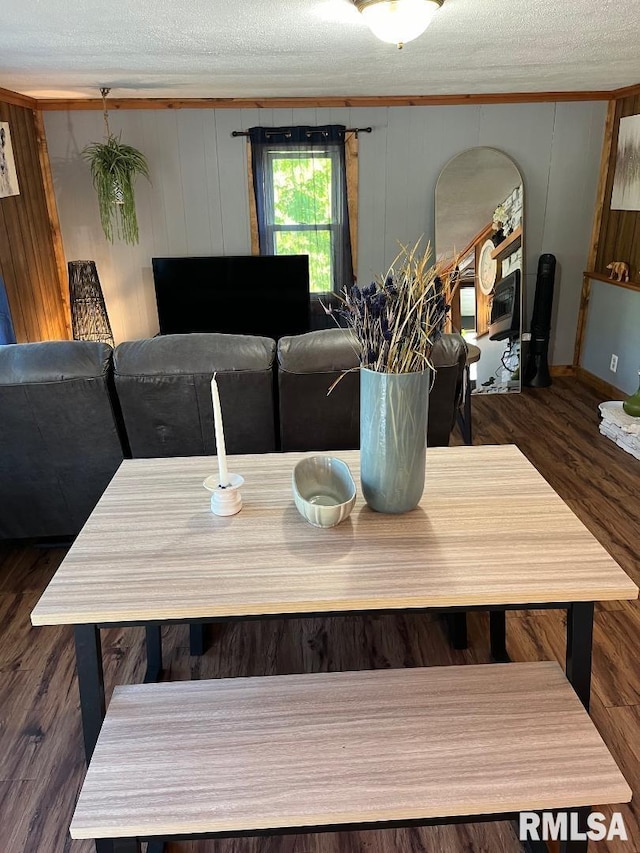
(30, 261)
(610, 311)
(619, 238)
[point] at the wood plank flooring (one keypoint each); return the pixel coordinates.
(41, 763)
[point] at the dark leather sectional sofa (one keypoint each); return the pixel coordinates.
(70, 411)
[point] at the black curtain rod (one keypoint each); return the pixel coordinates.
(355, 130)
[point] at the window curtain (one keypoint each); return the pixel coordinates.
(7, 334)
(267, 143)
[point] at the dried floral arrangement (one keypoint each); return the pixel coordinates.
(398, 318)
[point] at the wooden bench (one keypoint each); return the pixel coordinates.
(341, 750)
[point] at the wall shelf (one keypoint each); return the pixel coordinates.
(508, 246)
(598, 276)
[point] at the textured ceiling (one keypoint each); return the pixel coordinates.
(262, 48)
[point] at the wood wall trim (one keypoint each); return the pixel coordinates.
(331, 101)
(21, 100)
(602, 184)
(562, 370)
(627, 91)
(54, 219)
(600, 385)
(478, 238)
(585, 296)
(596, 230)
(253, 213)
(18, 100)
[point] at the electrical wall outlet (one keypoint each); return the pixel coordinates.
(614, 363)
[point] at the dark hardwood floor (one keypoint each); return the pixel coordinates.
(41, 763)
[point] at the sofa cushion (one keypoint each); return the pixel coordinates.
(164, 389)
(189, 355)
(53, 361)
(449, 357)
(59, 438)
(313, 419)
(323, 351)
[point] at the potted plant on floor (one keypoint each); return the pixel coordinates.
(114, 169)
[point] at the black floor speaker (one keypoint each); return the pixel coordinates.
(536, 372)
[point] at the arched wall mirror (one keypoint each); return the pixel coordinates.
(479, 222)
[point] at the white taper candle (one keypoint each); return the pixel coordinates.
(217, 422)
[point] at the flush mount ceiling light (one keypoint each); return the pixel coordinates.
(398, 21)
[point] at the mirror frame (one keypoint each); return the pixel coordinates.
(467, 249)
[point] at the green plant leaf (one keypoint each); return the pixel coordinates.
(114, 168)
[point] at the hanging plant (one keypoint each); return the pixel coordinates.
(114, 168)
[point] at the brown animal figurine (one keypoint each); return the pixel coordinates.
(619, 271)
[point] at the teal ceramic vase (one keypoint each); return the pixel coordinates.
(632, 404)
(393, 438)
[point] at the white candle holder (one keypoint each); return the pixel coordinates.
(225, 500)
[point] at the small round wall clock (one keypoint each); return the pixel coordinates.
(487, 268)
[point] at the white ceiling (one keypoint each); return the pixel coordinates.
(262, 48)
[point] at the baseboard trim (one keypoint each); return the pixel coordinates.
(602, 386)
(562, 370)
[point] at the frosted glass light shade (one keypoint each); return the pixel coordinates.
(398, 21)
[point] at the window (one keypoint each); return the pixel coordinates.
(299, 180)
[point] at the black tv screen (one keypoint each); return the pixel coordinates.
(505, 308)
(242, 295)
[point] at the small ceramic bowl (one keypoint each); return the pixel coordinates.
(323, 490)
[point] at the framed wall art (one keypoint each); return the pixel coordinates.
(8, 175)
(626, 184)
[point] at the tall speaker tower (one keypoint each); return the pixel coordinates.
(536, 373)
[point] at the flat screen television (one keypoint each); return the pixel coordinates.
(505, 309)
(243, 295)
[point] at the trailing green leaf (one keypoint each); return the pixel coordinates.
(114, 168)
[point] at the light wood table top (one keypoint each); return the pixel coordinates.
(311, 750)
(489, 530)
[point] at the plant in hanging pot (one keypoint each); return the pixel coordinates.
(114, 169)
(396, 321)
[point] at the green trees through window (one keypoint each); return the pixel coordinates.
(303, 221)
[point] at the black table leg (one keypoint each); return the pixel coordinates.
(126, 845)
(197, 639)
(90, 683)
(154, 653)
(457, 626)
(577, 846)
(464, 418)
(579, 652)
(579, 647)
(498, 635)
(92, 703)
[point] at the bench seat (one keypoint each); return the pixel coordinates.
(248, 754)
